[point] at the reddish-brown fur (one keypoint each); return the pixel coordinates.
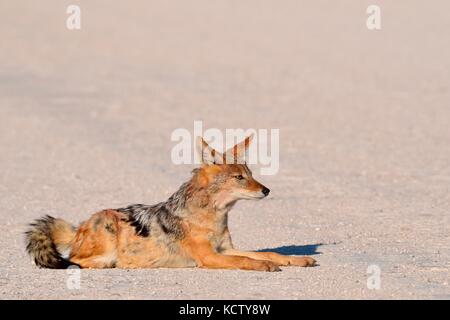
(188, 230)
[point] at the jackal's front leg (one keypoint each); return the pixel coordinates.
(206, 257)
(274, 257)
(219, 261)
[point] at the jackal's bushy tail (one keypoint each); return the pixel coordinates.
(47, 239)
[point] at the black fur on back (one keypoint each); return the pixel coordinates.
(144, 218)
(165, 215)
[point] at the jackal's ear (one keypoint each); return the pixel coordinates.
(207, 154)
(239, 153)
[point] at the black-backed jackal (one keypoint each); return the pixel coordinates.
(190, 229)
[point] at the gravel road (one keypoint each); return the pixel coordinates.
(364, 119)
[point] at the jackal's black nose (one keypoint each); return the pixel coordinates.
(265, 191)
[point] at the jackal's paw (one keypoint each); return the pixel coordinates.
(302, 261)
(267, 266)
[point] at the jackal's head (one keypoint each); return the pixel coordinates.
(226, 176)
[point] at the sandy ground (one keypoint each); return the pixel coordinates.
(364, 120)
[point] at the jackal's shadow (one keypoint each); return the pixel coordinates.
(305, 250)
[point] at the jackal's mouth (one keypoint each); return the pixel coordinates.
(251, 195)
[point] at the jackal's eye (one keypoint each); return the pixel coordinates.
(239, 177)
